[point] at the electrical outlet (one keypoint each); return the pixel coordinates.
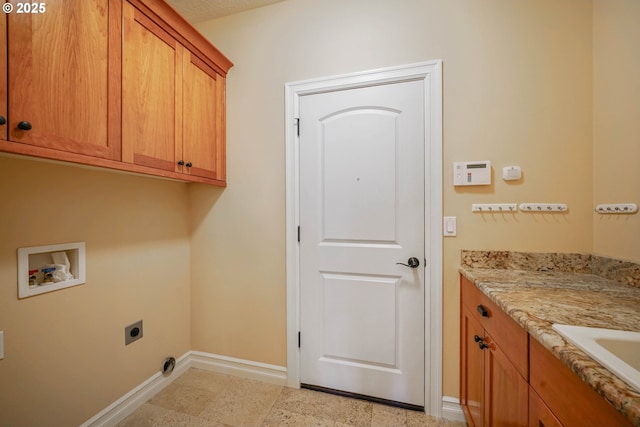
(133, 332)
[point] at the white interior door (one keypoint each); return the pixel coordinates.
(362, 178)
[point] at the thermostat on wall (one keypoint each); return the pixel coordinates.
(511, 173)
(472, 173)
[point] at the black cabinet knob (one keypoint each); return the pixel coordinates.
(483, 311)
(3, 121)
(181, 162)
(189, 164)
(24, 125)
(480, 342)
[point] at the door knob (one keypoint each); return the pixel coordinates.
(412, 262)
(24, 126)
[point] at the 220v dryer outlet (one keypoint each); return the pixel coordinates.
(133, 332)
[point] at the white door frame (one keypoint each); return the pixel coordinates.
(431, 73)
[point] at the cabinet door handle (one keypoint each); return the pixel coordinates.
(483, 311)
(189, 164)
(24, 125)
(181, 163)
(3, 121)
(480, 342)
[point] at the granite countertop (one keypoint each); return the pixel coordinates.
(560, 288)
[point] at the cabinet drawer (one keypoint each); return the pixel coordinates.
(573, 401)
(498, 324)
(539, 413)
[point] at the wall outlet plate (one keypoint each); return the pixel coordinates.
(133, 332)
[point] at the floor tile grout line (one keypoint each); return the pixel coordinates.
(295, 403)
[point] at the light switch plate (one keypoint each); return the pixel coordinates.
(449, 227)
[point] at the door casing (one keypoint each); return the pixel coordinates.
(431, 73)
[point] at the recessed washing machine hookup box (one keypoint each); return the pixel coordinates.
(50, 268)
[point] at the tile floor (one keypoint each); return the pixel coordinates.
(207, 399)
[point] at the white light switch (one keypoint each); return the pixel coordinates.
(449, 228)
(1, 344)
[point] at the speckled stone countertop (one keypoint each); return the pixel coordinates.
(538, 290)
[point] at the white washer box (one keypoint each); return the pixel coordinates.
(36, 257)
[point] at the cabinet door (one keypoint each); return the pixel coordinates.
(151, 93)
(572, 400)
(471, 368)
(3, 75)
(64, 64)
(539, 413)
(505, 390)
(203, 104)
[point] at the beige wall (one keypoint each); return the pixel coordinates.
(517, 90)
(616, 124)
(65, 358)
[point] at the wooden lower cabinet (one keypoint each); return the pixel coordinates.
(497, 390)
(471, 370)
(569, 398)
(494, 393)
(505, 390)
(539, 413)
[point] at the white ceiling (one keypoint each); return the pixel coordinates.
(196, 11)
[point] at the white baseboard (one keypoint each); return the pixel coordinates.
(239, 367)
(451, 409)
(127, 404)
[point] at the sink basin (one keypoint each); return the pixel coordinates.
(618, 351)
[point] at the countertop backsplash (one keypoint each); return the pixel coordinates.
(610, 268)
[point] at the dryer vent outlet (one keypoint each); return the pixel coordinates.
(168, 365)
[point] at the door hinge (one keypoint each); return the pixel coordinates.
(297, 126)
(299, 339)
(298, 234)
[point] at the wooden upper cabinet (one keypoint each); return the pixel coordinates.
(151, 93)
(203, 120)
(64, 78)
(120, 84)
(173, 100)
